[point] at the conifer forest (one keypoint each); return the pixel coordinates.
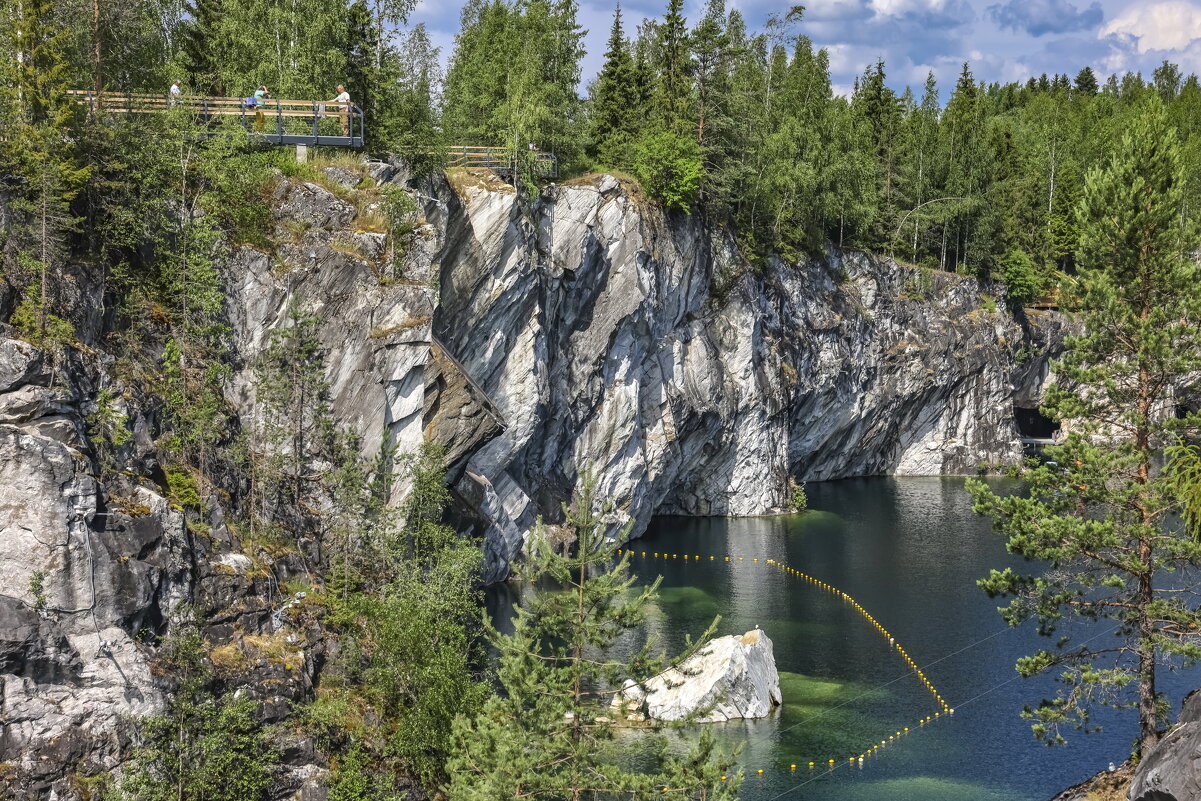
(326, 467)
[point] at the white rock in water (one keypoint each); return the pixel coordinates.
(731, 677)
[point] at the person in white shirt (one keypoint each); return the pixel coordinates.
(343, 99)
(174, 92)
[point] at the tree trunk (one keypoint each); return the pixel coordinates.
(44, 289)
(1147, 714)
(98, 61)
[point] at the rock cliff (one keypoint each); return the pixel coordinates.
(646, 350)
(1172, 770)
(535, 339)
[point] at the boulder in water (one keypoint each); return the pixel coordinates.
(731, 677)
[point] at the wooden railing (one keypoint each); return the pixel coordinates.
(284, 122)
(501, 160)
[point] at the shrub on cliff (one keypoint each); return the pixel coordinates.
(669, 166)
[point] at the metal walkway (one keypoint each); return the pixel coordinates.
(276, 122)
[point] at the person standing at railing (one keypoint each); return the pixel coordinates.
(261, 95)
(174, 94)
(343, 99)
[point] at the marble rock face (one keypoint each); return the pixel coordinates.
(730, 678)
(1172, 771)
(644, 349)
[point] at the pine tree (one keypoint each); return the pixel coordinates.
(1099, 512)
(547, 735)
(40, 149)
(291, 392)
(204, 747)
(710, 55)
(412, 127)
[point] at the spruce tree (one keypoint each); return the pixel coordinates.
(200, 46)
(1086, 82)
(548, 734)
(616, 107)
(1099, 513)
(675, 67)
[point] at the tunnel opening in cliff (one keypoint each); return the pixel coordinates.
(1033, 424)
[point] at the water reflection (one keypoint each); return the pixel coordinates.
(910, 551)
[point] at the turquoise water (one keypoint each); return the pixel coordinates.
(909, 551)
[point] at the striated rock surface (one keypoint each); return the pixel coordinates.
(645, 349)
(83, 575)
(730, 678)
(534, 339)
(1172, 771)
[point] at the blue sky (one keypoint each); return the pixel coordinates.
(1004, 40)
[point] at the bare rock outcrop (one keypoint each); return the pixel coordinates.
(729, 678)
(1172, 770)
(645, 349)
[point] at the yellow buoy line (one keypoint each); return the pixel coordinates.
(831, 764)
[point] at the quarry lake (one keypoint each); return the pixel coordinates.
(909, 551)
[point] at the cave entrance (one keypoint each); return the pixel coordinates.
(1033, 425)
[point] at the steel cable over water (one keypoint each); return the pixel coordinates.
(962, 704)
(943, 709)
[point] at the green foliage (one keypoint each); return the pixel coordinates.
(107, 427)
(37, 588)
(38, 327)
(798, 501)
(1099, 514)
(547, 733)
(405, 601)
(182, 489)
(205, 747)
(513, 76)
(1023, 283)
(294, 426)
(669, 166)
(617, 111)
(918, 286)
(403, 214)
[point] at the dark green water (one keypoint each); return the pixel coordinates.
(910, 551)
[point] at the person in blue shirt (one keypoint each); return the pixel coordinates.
(260, 96)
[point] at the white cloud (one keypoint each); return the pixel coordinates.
(897, 8)
(1169, 25)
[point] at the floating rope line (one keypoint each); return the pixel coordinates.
(962, 704)
(942, 710)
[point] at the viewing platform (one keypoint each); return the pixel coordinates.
(273, 121)
(306, 123)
